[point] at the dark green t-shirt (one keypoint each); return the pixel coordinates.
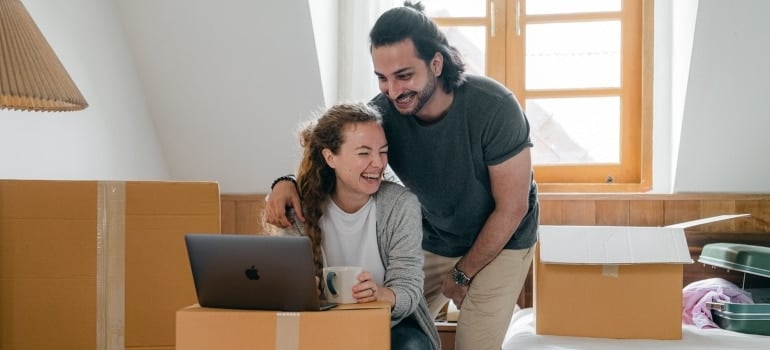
(445, 163)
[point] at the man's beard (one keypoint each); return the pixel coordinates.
(423, 96)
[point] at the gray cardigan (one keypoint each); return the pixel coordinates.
(399, 239)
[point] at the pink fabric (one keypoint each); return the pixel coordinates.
(697, 294)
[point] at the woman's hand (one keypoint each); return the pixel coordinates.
(366, 290)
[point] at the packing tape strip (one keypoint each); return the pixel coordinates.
(110, 265)
(610, 270)
(287, 331)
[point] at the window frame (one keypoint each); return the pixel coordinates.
(505, 63)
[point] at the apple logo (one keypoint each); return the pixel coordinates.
(252, 273)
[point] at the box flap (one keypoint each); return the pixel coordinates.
(693, 223)
(562, 244)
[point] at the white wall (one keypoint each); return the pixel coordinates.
(683, 30)
(227, 82)
(674, 29)
(113, 139)
(724, 140)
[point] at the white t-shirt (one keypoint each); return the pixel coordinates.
(350, 239)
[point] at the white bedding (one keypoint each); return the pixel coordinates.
(521, 336)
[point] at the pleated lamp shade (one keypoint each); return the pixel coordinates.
(31, 76)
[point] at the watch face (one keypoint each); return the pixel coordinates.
(460, 277)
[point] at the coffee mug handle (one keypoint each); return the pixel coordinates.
(329, 282)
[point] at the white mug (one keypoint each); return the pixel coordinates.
(338, 283)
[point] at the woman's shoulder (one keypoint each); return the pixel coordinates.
(391, 188)
(394, 192)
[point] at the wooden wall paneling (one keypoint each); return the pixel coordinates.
(250, 216)
(578, 212)
(676, 211)
(612, 212)
(550, 212)
(227, 215)
(760, 215)
(714, 207)
(242, 214)
(646, 213)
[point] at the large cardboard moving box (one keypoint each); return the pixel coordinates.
(611, 281)
(97, 265)
(354, 326)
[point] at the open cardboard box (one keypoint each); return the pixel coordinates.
(620, 282)
(349, 326)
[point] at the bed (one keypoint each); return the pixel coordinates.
(521, 336)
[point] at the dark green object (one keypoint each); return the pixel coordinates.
(744, 318)
(751, 259)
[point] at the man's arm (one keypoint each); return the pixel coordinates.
(283, 197)
(510, 182)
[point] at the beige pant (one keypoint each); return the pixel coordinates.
(491, 299)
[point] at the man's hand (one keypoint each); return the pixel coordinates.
(283, 197)
(454, 291)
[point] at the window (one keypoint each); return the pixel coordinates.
(581, 69)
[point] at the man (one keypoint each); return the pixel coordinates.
(461, 144)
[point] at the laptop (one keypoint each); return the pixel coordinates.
(254, 272)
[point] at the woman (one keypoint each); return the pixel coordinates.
(354, 217)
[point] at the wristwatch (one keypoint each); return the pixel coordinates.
(460, 277)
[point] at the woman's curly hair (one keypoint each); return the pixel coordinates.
(316, 181)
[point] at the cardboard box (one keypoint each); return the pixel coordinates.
(355, 326)
(611, 281)
(97, 265)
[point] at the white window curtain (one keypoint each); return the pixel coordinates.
(356, 80)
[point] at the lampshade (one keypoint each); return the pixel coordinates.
(31, 76)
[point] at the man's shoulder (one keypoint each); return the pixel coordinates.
(485, 86)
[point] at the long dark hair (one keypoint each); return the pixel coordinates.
(409, 22)
(315, 179)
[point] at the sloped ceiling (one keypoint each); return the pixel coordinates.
(226, 83)
(725, 123)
